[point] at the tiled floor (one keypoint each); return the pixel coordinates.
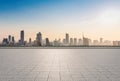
(60, 66)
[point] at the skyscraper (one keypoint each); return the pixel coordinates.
(30, 40)
(64, 41)
(101, 41)
(9, 39)
(13, 40)
(80, 41)
(67, 38)
(22, 37)
(39, 39)
(85, 41)
(47, 42)
(5, 41)
(75, 41)
(71, 41)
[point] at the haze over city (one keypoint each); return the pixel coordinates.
(59, 40)
(54, 18)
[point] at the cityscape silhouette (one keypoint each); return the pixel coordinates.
(67, 41)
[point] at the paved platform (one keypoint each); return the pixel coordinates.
(59, 65)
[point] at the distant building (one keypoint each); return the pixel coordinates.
(5, 41)
(71, 41)
(30, 40)
(13, 40)
(115, 43)
(64, 41)
(47, 42)
(80, 42)
(9, 39)
(75, 41)
(90, 42)
(22, 37)
(39, 39)
(56, 43)
(59, 40)
(118, 43)
(67, 38)
(95, 42)
(85, 41)
(101, 41)
(107, 43)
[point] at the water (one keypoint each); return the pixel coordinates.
(59, 64)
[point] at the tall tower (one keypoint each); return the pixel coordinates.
(13, 40)
(30, 40)
(67, 38)
(39, 39)
(85, 41)
(71, 41)
(47, 42)
(75, 41)
(22, 37)
(9, 39)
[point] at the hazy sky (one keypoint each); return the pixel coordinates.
(54, 18)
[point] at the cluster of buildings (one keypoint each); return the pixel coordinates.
(67, 41)
(8, 41)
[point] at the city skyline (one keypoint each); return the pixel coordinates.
(66, 41)
(54, 18)
(52, 36)
(22, 36)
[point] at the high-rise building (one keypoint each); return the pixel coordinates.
(115, 43)
(118, 43)
(5, 41)
(95, 42)
(13, 40)
(107, 43)
(80, 42)
(47, 42)
(59, 40)
(90, 42)
(39, 39)
(22, 37)
(71, 41)
(30, 40)
(64, 41)
(67, 38)
(9, 39)
(85, 41)
(75, 41)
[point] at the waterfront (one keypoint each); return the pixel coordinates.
(59, 64)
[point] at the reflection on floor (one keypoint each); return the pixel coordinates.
(60, 67)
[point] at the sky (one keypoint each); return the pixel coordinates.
(54, 18)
